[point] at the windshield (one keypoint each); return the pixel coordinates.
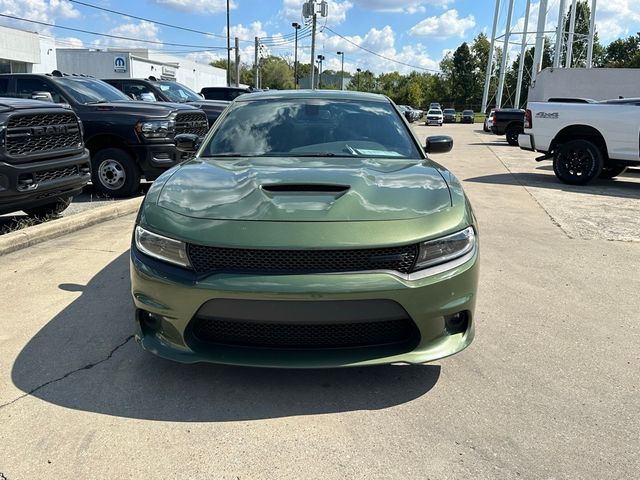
(90, 90)
(311, 127)
(468, 112)
(178, 93)
(434, 112)
(449, 110)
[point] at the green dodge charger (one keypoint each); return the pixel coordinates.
(309, 230)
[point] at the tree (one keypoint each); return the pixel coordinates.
(623, 53)
(462, 75)
(276, 74)
(581, 32)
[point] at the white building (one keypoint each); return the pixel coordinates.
(26, 52)
(139, 63)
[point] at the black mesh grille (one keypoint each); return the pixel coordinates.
(345, 335)
(195, 123)
(55, 174)
(40, 133)
(208, 259)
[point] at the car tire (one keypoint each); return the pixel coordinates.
(52, 209)
(512, 135)
(484, 128)
(578, 162)
(114, 173)
(610, 172)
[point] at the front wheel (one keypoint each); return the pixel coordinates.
(512, 135)
(52, 209)
(610, 172)
(114, 173)
(578, 162)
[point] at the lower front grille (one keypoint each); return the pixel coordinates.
(56, 174)
(304, 336)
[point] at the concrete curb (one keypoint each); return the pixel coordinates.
(56, 228)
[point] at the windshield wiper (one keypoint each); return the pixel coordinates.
(98, 101)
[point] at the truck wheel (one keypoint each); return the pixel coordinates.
(610, 172)
(512, 135)
(114, 173)
(49, 209)
(578, 162)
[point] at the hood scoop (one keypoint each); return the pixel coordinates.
(313, 188)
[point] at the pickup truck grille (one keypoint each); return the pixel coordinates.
(32, 134)
(195, 123)
(48, 175)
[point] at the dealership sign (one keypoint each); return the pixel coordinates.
(120, 64)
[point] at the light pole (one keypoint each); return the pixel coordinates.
(358, 74)
(320, 59)
(341, 71)
(295, 25)
(228, 49)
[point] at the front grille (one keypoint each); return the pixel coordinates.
(278, 335)
(209, 259)
(56, 174)
(195, 123)
(29, 134)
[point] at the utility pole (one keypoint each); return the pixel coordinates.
(572, 29)
(523, 51)
(228, 49)
(295, 55)
(489, 70)
(539, 51)
(559, 36)
(237, 62)
(309, 12)
(255, 65)
(358, 70)
(592, 34)
(341, 71)
(505, 51)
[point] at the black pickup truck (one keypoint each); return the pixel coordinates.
(43, 162)
(153, 90)
(127, 139)
(509, 122)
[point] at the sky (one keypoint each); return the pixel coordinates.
(411, 34)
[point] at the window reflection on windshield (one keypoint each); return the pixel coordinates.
(90, 90)
(178, 93)
(312, 127)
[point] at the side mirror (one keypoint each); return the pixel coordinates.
(187, 142)
(44, 96)
(438, 144)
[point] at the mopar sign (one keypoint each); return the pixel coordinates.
(120, 64)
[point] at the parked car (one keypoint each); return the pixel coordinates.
(509, 122)
(449, 115)
(488, 121)
(43, 162)
(434, 117)
(407, 112)
(155, 90)
(223, 93)
(584, 140)
(127, 139)
(434, 106)
(311, 230)
(467, 116)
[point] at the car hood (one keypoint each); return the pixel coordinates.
(305, 189)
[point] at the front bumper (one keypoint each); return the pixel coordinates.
(32, 184)
(155, 158)
(434, 121)
(176, 298)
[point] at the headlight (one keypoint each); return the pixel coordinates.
(162, 248)
(156, 128)
(446, 248)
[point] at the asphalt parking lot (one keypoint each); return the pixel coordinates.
(548, 390)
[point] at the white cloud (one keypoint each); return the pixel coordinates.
(69, 42)
(401, 6)
(141, 30)
(199, 6)
(292, 11)
(444, 26)
(617, 18)
(252, 30)
(40, 10)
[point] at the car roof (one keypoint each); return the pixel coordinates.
(312, 94)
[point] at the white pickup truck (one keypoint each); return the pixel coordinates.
(585, 139)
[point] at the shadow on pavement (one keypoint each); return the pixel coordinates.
(617, 187)
(74, 362)
(493, 144)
